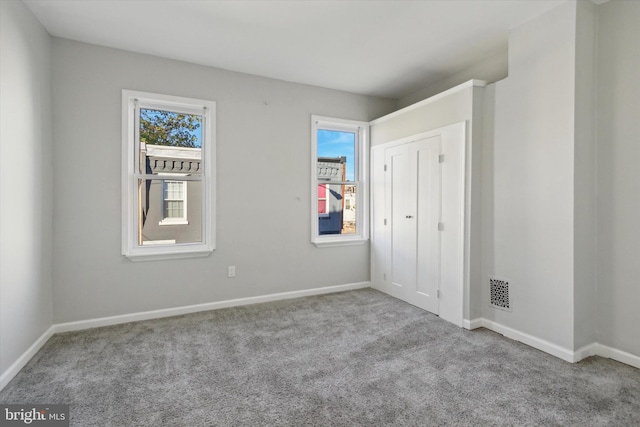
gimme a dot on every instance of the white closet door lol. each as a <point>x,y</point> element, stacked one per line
<point>427,196</point>
<point>400,235</point>
<point>419,220</point>
<point>413,209</point>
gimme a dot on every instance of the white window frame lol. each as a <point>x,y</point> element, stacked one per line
<point>361,167</point>
<point>182,220</point>
<point>132,102</point>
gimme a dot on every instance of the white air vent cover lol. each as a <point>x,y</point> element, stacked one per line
<point>500,296</point>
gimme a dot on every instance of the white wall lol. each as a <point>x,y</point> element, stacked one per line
<point>618,157</point>
<point>25,181</point>
<point>584,232</point>
<point>263,142</point>
<point>528,186</point>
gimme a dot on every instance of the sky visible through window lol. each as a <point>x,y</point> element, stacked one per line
<point>333,143</point>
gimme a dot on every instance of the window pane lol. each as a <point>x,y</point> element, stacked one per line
<point>168,221</point>
<point>174,209</point>
<point>174,190</point>
<point>339,216</point>
<point>338,149</point>
<point>322,199</point>
<point>170,142</point>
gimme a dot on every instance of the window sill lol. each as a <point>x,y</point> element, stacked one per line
<point>174,222</point>
<point>327,243</point>
<point>164,255</point>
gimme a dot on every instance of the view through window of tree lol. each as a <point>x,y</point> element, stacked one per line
<point>161,127</point>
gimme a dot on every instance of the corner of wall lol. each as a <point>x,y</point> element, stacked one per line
<point>26,310</point>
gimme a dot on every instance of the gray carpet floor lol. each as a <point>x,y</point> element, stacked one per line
<point>358,358</point>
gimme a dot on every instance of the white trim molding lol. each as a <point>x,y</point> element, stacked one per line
<point>530,340</point>
<point>178,311</point>
<point>472,324</point>
<point>615,354</point>
<point>593,349</point>
<point>462,86</point>
<point>21,362</point>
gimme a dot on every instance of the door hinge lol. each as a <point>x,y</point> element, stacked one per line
<point>441,158</point>
<point>440,226</point>
<point>385,168</point>
<point>385,221</point>
<point>438,293</point>
<point>384,276</point>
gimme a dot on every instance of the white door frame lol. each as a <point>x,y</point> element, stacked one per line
<point>454,237</point>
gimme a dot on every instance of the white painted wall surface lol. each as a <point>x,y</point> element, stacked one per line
<point>529,179</point>
<point>25,181</point>
<point>618,157</point>
<point>263,151</point>
<point>585,176</point>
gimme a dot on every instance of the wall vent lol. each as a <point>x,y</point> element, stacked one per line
<point>500,296</point>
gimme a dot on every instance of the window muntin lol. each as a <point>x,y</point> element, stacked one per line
<point>339,148</point>
<point>168,191</point>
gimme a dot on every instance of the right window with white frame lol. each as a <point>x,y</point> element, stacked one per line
<point>339,182</point>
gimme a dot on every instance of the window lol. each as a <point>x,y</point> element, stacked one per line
<point>322,199</point>
<point>339,182</point>
<point>174,203</point>
<point>168,186</point>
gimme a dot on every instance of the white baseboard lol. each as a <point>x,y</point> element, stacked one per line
<point>530,340</point>
<point>177,311</point>
<point>472,324</point>
<point>13,370</point>
<point>593,349</point>
<point>619,355</point>
<point>157,314</point>
<point>585,351</point>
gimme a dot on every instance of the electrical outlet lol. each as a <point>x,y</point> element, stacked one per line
<point>232,271</point>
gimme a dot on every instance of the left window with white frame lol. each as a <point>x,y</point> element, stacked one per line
<point>168,183</point>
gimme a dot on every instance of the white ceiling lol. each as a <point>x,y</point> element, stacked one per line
<point>383,48</point>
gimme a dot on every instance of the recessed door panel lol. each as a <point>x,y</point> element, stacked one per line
<point>428,199</point>
<point>399,233</point>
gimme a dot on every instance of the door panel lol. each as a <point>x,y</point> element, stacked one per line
<point>399,234</point>
<point>413,200</point>
<point>428,200</point>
